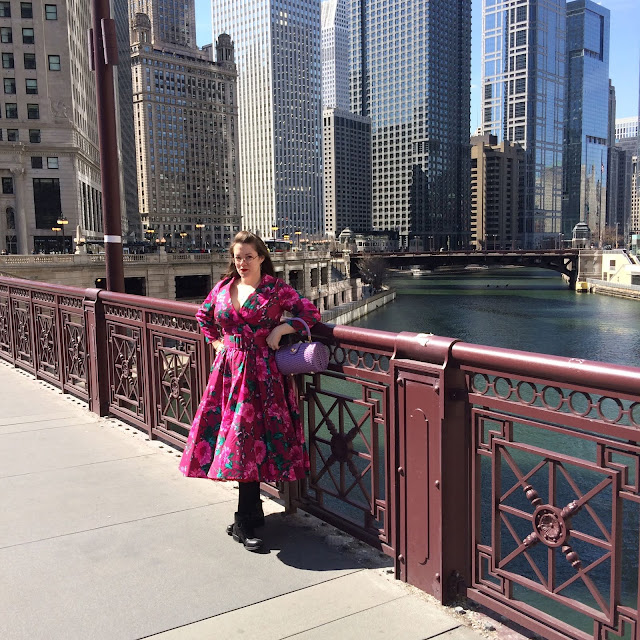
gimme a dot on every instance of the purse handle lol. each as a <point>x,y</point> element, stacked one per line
<point>306,326</point>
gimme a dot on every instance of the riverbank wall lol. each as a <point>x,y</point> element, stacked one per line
<point>614,289</point>
<point>346,313</point>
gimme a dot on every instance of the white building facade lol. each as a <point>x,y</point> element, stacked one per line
<point>279,94</point>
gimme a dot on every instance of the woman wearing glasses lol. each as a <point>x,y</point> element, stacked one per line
<point>247,427</point>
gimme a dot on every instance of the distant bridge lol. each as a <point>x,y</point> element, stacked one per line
<point>564,261</point>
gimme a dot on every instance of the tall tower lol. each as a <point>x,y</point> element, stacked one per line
<point>586,118</point>
<point>49,157</point>
<point>523,100</point>
<point>173,23</point>
<point>186,123</point>
<point>335,55</point>
<point>278,58</point>
<point>410,73</point>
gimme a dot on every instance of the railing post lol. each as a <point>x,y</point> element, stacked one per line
<point>432,456</point>
<point>456,496</point>
<point>97,358</point>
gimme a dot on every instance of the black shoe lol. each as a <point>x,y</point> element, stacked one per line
<point>256,518</point>
<point>242,531</point>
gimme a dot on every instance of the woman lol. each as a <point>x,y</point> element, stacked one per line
<point>247,427</point>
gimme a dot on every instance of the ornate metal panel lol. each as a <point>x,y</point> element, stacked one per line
<point>46,330</point>
<point>555,505</point>
<point>22,333</point>
<point>74,351</point>
<point>6,350</point>
<point>347,422</point>
<point>126,371</point>
<point>177,393</point>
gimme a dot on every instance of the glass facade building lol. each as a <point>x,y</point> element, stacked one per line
<point>277,51</point>
<point>410,73</point>
<point>523,101</point>
<point>587,123</point>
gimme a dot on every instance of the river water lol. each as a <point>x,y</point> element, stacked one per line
<point>530,310</point>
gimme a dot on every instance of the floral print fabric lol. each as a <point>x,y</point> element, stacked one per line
<point>248,425</point>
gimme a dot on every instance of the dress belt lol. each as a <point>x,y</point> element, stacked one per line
<point>244,343</point>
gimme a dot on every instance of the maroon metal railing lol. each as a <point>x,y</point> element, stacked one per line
<point>510,477</point>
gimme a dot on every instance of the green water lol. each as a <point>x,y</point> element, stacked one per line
<point>530,310</point>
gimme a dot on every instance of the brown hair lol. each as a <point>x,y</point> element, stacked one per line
<point>246,237</point>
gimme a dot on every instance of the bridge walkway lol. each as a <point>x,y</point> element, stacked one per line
<point>102,538</point>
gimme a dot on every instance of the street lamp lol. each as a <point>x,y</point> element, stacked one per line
<point>56,229</point>
<point>62,221</point>
<point>286,237</point>
<point>183,235</point>
<point>298,234</point>
<point>200,226</point>
<point>274,229</point>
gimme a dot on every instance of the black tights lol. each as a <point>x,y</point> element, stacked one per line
<point>248,496</point>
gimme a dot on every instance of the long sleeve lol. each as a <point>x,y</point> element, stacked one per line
<point>205,315</point>
<point>299,307</point>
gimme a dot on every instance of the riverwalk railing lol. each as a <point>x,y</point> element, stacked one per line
<point>512,478</point>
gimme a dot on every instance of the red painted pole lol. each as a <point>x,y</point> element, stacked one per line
<point>104,57</point>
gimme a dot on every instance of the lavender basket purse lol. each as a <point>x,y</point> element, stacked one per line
<point>302,357</point>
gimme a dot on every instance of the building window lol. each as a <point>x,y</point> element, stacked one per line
<point>9,85</point>
<point>51,11</point>
<point>12,135</point>
<point>33,111</point>
<point>6,36</point>
<point>28,36</point>
<point>36,162</point>
<point>7,185</point>
<point>7,60</point>
<point>5,9</point>
<point>11,110</point>
<point>34,136</point>
<point>46,198</point>
<point>29,60</point>
<point>26,10</point>
<point>31,86</point>
<point>11,217</point>
<point>54,63</point>
<point>52,163</point>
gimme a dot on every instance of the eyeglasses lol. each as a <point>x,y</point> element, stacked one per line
<point>246,259</point>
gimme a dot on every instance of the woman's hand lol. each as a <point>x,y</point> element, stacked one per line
<point>218,345</point>
<point>273,339</point>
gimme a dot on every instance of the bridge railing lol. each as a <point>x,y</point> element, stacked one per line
<point>510,477</point>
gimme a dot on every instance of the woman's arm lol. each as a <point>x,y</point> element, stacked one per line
<point>290,300</point>
<point>205,316</point>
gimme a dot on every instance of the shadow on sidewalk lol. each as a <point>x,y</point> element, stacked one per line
<point>316,547</point>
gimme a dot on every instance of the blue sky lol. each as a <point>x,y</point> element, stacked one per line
<point>623,56</point>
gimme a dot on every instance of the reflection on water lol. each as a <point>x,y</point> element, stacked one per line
<point>531,310</point>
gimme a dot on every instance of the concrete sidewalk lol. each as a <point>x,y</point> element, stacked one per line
<point>102,538</point>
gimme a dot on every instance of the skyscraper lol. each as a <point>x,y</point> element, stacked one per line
<point>587,118</point>
<point>278,57</point>
<point>185,115</point>
<point>496,192</point>
<point>335,55</point>
<point>132,230</point>
<point>49,157</point>
<point>172,22</point>
<point>410,73</point>
<point>523,100</point>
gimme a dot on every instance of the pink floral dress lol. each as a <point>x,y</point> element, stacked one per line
<point>248,426</point>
